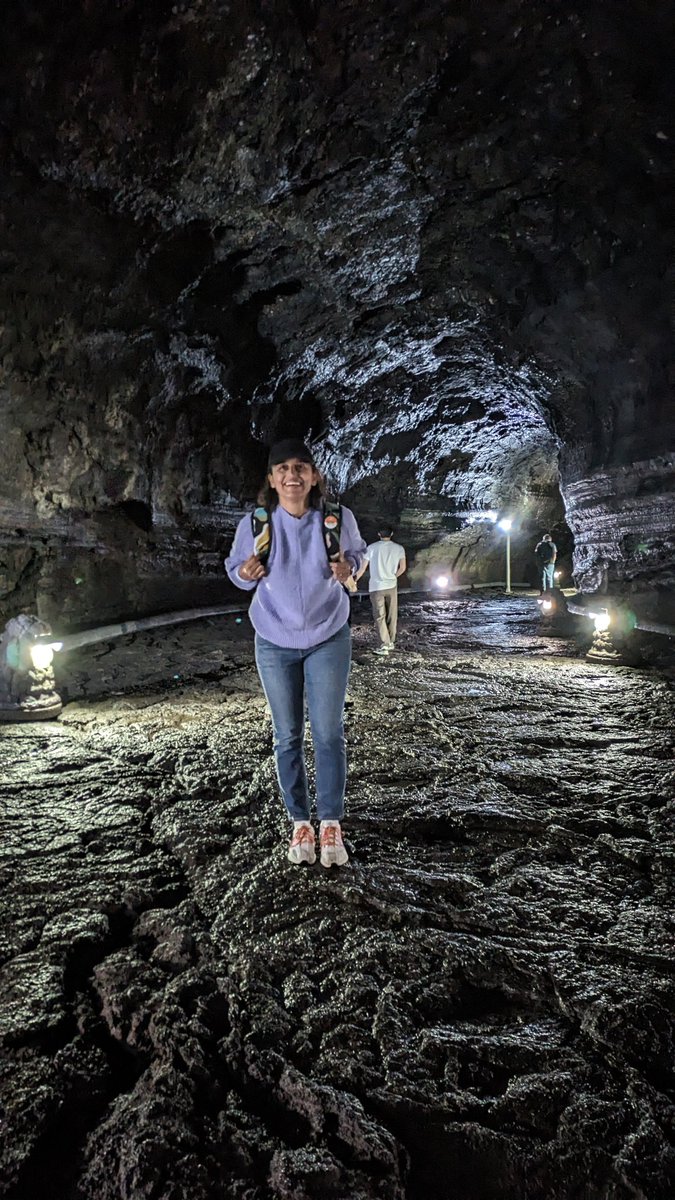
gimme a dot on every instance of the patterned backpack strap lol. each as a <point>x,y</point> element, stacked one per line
<point>261,524</point>
<point>332,524</point>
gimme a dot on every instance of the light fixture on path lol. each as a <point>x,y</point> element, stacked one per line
<point>42,654</point>
<point>27,686</point>
<point>553,605</point>
<point>602,647</point>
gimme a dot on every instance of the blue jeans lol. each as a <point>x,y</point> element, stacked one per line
<point>320,676</point>
<point>547,576</point>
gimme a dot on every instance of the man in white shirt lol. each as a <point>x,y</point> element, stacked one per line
<point>386,560</point>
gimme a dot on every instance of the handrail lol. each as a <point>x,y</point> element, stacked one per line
<point>104,632</point>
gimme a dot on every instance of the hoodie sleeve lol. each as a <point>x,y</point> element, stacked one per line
<point>242,548</point>
<point>351,542</point>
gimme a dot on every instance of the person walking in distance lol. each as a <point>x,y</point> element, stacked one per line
<point>546,553</point>
<point>300,613</point>
<point>386,560</point>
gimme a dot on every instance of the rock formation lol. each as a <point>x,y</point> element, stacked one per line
<point>433,238</point>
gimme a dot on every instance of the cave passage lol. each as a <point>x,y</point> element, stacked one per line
<point>484,995</point>
<point>435,241</point>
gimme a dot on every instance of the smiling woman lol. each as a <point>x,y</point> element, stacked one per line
<point>294,480</point>
<point>300,612</point>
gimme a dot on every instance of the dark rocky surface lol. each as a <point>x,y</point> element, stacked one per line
<point>479,1005</point>
<point>436,238</point>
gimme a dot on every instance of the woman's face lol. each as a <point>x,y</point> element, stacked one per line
<point>293,480</point>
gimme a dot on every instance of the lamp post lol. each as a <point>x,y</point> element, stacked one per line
<point>505,525</point>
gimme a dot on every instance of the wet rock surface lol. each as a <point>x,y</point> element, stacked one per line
<point>479,1004</point>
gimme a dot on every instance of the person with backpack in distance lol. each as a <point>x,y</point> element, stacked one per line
<point>387,561</point>
<point>298,553</point>
<point>546,553</point>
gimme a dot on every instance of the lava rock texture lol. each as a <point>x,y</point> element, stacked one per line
<point>479,1005</point>
<point>435,238</point>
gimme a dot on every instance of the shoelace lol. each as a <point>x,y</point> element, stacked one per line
<point>304,833</point>
<point>330,836</point>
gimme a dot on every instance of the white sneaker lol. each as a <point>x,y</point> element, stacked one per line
<point>333,851</point>
<point>301,849</point>
<point>382,650</point>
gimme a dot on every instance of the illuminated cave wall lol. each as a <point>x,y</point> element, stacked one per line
<point>434,238</point>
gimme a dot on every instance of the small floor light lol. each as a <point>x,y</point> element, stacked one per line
<point>27,685</point>
<point>553,608</point>
<point>42,654</point>
<point>442,582</point>
<point>602,648</point>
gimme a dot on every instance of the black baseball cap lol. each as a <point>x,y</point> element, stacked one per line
<point>289,448</point>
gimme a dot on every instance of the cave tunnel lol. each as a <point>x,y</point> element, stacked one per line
<point>434,242</point>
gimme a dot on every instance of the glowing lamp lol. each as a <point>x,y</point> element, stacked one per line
<point>557,574</point>
<point>27,687</point>
<point>602,648</point>
<point>41,655</point>
<point>506,524</point>
<point>546,606</point>
<point>442,581</point>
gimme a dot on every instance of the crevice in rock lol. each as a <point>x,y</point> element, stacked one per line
<point>138,512</point>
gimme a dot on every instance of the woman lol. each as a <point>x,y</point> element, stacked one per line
<point>300,613</point>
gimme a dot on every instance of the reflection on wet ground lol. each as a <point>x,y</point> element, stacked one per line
<point>480,1005</point>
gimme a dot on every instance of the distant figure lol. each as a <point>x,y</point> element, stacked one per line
<point>546,553</point>
<point>387,561</point>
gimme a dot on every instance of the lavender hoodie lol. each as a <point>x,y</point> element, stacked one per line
<point>299,603</point>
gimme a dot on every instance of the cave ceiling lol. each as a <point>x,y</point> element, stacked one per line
<point>433,238</point>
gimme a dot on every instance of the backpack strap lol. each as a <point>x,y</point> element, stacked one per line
<point>332,526</point>
<point>261,526</point>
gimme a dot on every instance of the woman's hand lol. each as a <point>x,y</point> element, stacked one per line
<point>341,570</point>
<point>251,570</point>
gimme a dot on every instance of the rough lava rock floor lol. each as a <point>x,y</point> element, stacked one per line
<point>480,1005</point>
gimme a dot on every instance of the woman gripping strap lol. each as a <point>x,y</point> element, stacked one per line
<point>300,613</point>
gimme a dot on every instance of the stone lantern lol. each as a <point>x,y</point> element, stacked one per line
<point>27,685</point>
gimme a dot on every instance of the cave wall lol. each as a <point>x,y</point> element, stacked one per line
<point>434,239</point>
